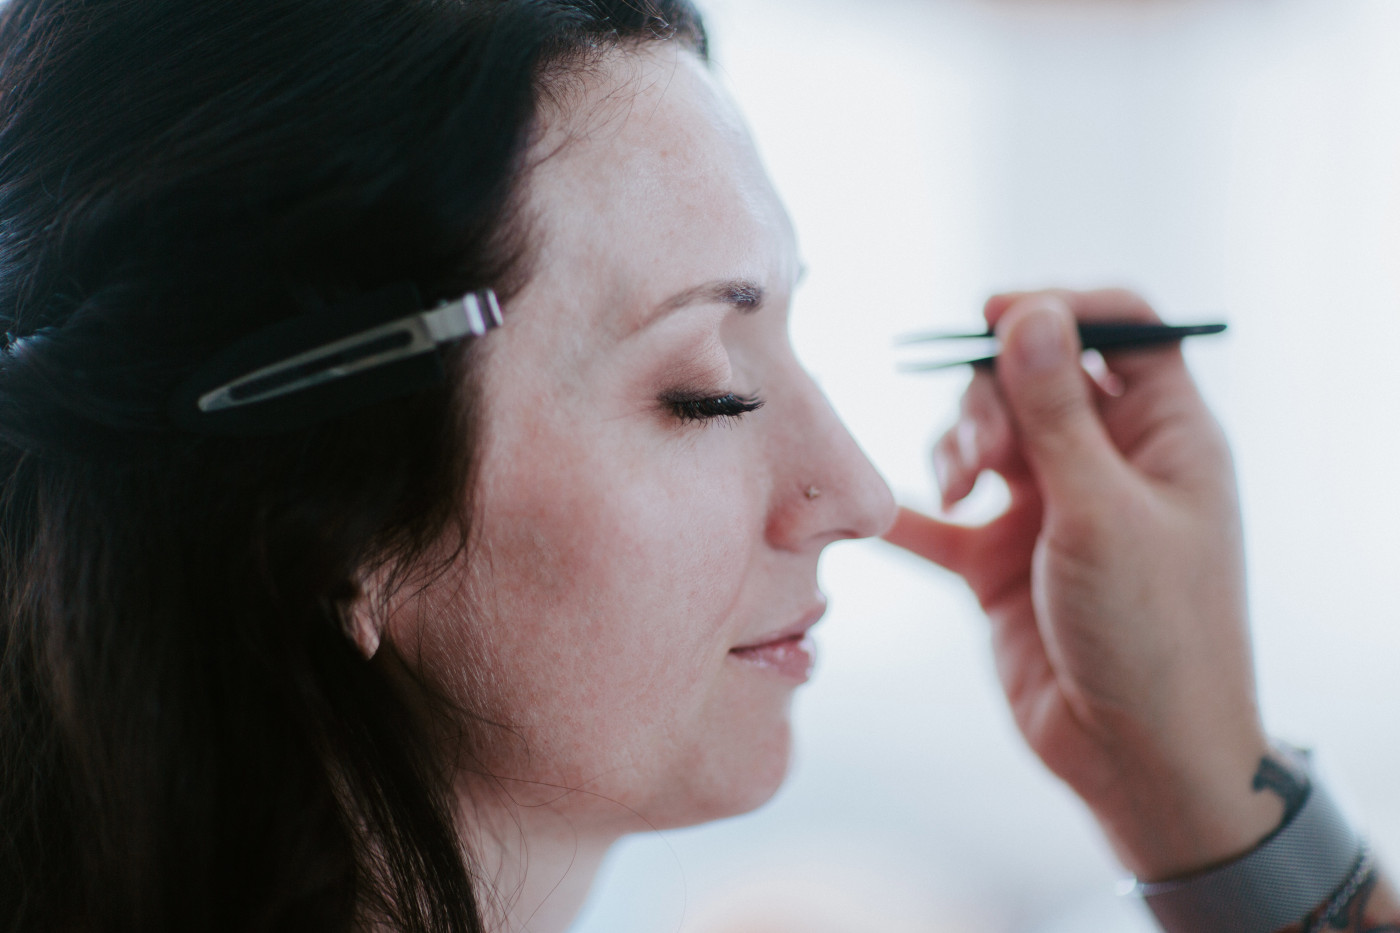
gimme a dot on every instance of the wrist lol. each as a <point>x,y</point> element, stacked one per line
<point>1306,874</point>
<point>1169,820</point>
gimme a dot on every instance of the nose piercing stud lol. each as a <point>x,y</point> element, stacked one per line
<point>813,492</point>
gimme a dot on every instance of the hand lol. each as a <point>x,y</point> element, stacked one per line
<point>1114,581</point>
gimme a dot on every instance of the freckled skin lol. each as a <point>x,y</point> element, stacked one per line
<point>619,552</point>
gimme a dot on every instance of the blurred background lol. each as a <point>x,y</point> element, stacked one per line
<point>1232,159</point>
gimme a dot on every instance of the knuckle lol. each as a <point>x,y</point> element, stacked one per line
<point>1056,408</point>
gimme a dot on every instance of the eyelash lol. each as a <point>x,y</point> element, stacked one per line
<point>707,408</point>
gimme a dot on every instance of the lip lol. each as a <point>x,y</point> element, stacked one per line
<point>794,632</point>
<point>787,653</point>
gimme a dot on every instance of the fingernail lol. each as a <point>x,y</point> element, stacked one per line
<point>1040,342</point>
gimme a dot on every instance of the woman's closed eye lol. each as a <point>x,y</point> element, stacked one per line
<point>691,407</point>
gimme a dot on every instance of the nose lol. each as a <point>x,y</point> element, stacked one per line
<point>825,488</point>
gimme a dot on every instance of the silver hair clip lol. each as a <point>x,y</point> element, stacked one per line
<point>311,367</point>
<point>472,315</point>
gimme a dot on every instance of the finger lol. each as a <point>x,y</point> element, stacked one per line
<point>1052,403</point>
<point>982,439</point>
<point>944,543</point>
<point>1137,365</point>
<point>950,465</point>
<point>1142,375</point>
<point>1155,398</point>
<point>994,558</point>
<point>1105,304</point>
<point>986,410</point>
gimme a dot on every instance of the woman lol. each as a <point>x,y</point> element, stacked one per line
<point>277,652</point>
<point>303,632</point>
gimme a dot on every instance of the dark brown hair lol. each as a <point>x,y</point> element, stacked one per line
<point>188,739</point>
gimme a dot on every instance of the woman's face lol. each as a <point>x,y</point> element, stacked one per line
<point>633,524</point>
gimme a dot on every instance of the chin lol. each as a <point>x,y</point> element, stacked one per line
<point>732,779</point>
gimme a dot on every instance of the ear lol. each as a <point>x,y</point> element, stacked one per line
<point>364,617</point>
<point>363,628</point>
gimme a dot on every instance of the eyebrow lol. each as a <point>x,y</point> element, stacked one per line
<point>743,295</point>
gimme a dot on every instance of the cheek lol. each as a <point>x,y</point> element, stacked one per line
<point>599,605</point>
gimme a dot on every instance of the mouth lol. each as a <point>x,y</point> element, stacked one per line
<point>789,652</point>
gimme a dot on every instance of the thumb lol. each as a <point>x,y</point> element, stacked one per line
<point>1049,395</point>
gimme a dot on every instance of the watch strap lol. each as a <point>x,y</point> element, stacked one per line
<point>1274,886</point>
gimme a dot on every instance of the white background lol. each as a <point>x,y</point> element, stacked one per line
<point>1229,158</point>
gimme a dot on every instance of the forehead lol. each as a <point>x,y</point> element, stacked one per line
<point>647,181</point>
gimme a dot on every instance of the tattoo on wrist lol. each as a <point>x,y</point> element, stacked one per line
<point>1289,783</point>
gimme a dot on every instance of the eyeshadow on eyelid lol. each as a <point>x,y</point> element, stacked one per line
<point>690,381</point>
<point>689,348</point>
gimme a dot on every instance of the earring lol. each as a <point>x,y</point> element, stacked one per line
<point>813,492</point>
